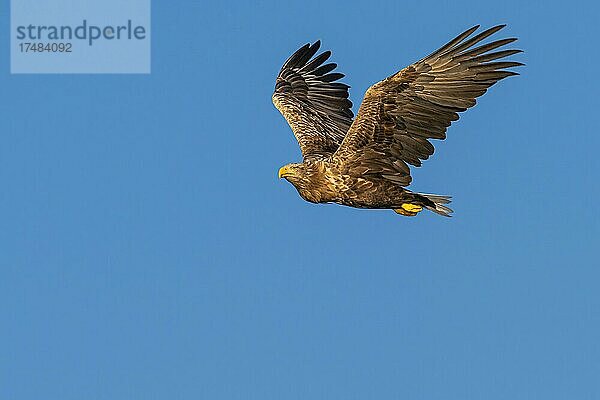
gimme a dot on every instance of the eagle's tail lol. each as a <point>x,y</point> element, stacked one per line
<point>438,203</point>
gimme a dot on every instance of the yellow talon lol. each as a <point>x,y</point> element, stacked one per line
<point>412,207</point>
<point>409,210</point>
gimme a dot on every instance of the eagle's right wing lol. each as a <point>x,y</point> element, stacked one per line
<point>401,114</point>
<point>315,106</point>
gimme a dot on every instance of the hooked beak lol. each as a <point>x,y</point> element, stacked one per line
<point>284,171</point>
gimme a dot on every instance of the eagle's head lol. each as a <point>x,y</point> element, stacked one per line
<point>294,173</point>
<point>306,178</point>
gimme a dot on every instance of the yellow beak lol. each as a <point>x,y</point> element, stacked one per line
<point>284,171</point>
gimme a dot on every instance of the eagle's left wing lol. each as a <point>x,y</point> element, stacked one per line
<point>399,115</point>
<point>315,106</point>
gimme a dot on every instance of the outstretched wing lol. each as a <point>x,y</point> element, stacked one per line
<point>315,106</point>
<point>399,114</point>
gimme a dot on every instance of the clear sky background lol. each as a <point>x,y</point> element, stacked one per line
<point>148,250</point>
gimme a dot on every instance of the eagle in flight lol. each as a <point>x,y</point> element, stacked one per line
<point>363,162</point>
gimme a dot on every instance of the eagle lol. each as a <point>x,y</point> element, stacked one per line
<point>363,162</point>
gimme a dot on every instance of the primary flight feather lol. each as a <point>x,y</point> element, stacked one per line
<point>363,162</point>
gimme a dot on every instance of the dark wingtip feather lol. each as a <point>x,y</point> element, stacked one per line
<point>324,69</point>
<point>302,55</point>
<point>334,76</point>
<point>294,57</point>
<point>454,42</point>
<point>316,46</point>
<point>311,65</point>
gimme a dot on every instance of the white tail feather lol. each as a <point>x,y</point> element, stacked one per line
<point>439,202</point>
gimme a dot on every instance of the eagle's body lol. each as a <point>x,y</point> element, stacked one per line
<point>363,162</point>
<point>325,181</point>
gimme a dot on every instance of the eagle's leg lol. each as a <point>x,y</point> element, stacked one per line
<point>409,210</point>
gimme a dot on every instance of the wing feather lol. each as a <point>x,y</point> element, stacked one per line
<point>315,106</point>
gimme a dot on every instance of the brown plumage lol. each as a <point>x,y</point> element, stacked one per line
<point>364,162</point>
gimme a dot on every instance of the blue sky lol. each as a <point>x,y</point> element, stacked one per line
<point>148,250</point>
